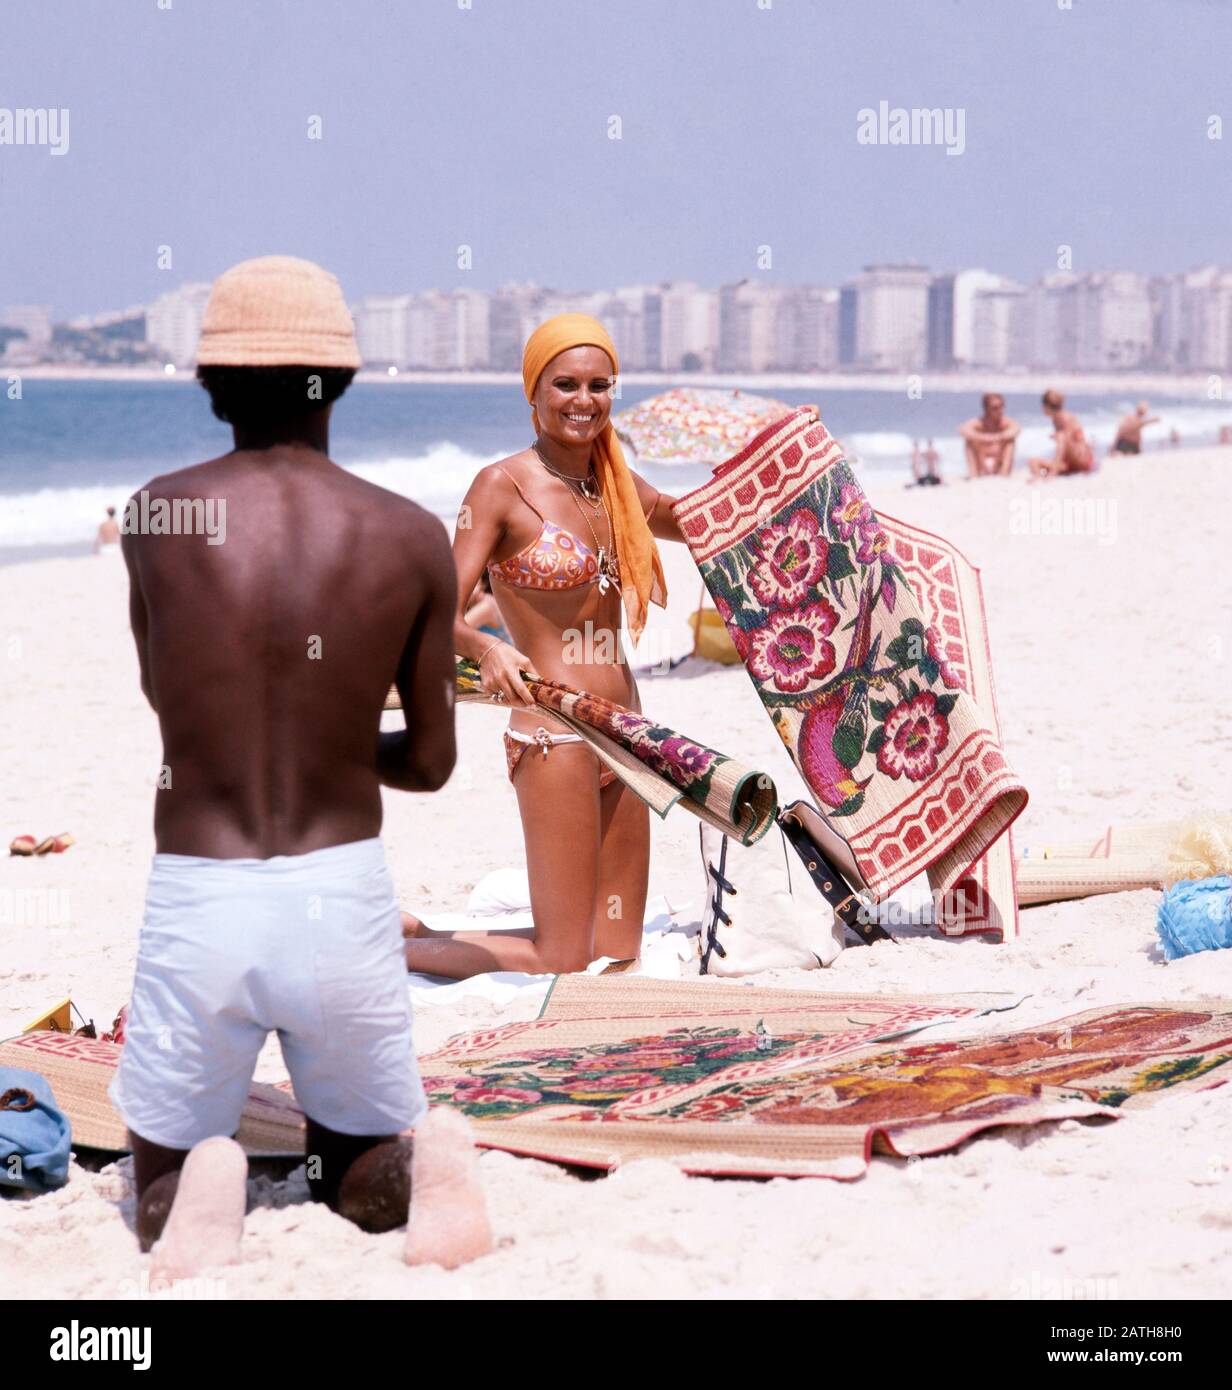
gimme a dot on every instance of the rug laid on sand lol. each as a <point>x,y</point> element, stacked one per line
<point>733,1080</point>
<point>1125,858</point>
<point>79,1070</point>
<point>663,767</point>
<point>865,640</point>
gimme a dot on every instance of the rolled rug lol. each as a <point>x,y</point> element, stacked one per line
<point>1125,858</point>
<point>865,640</point>
<point>663,767</point>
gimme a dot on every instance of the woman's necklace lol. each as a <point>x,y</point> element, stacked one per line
<point>608,572</point>
<point>588,485</point>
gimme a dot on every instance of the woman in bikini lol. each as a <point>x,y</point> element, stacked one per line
<point>566,532</point>
<point>1074,453</point>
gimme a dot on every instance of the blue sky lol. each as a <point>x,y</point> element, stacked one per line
<point>489,126</point>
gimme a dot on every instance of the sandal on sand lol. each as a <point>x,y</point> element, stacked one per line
<point>23,844</point>
<point>55,844</point>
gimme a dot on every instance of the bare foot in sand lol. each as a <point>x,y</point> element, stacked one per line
<point>448,1223</point>
<point>207,1216</point>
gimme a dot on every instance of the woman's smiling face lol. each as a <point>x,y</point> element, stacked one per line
<point>573,397</point>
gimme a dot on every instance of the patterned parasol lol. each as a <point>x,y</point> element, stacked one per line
<point>691,425</point>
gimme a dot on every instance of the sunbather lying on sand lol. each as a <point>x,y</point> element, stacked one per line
<point>270,905</point>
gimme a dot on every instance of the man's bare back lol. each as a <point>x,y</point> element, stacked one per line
<point>268,656</point>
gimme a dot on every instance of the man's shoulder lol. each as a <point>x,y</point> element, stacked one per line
<point>395,511</point>
<point>182,481</point>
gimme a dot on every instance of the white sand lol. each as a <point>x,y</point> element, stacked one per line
<point>1112,663</point>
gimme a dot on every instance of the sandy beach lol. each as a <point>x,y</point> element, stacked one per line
<point>1110,612</point>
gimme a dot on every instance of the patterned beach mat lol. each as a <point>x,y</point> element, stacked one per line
<point>79,1070</point>
<point>661,766</point>
<point>866,642</point>
<point>738,1081</point>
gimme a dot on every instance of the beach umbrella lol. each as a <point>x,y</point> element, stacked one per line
<point>693,425</point>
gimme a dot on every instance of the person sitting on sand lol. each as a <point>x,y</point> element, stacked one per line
<point>924,465</point>
<point>990,439</point>
<point>107,542</point>
<point>1073,453</point>
<point>1129,432</point>
<point>567,532</point>
<point>270,906</point>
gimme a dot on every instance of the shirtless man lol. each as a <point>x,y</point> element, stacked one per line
<point>1129,432</point>
<point>989,439</point>
<point>267,658</point>
<point>107,541</point>
<point>1073,452</point>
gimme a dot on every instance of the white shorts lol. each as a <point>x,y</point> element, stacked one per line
<point>309,945</point>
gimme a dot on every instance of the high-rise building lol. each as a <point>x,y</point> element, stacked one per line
<point>173,323</point>
<point>748,328</point>
<point>381,329</point>
<point>951,315</point>
<point>1052,322</point>
<point>806,329</point>
<point>1206,319</point>
<point>689,327</point>
<point>999,326</point>
<point>472,329</point>
<point>1167,322</point>
<point>1114,321</point>
<point>847,305</point>
<point>941,321</point>
<point>34,320</point>
<point>892,317</point>
<point>623,314</point>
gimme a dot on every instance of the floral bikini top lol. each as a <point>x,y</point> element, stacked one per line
<point>555,559</point>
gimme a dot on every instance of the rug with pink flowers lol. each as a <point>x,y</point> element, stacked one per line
<point>737,1080</point>
<point>865,639</point>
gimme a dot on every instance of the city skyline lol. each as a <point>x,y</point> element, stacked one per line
<point>889,317</point>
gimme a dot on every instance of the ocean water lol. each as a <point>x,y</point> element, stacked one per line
<point>68,450</point>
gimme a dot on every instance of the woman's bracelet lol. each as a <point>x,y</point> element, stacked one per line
<point>487,649</point>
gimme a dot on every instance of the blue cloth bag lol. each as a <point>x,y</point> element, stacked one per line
<point>1196,915</point>
<point>34,1135</point>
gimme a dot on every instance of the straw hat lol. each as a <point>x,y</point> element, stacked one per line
<point>277,311</point>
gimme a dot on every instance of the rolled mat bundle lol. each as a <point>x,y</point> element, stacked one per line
<point>1196,915</point>
<point>663,767</point>
<point>1125,858</point>
<point>865,640</point>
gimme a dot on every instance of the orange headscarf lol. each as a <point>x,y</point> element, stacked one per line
<point>641,572</point>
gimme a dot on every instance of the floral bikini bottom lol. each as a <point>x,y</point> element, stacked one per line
<point>517,743</point>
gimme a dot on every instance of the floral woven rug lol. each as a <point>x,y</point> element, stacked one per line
<point>734,1080</point>
<point>663,767</point>
<point>866,642</point>
<point>79,1070</point>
